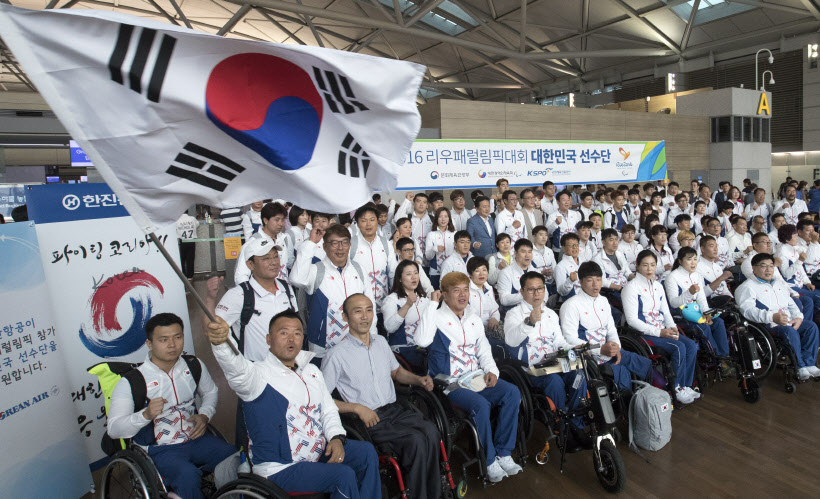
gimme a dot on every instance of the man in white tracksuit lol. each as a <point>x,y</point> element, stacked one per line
<point>766,300</point>
<point>328,283</point>
<point>169,426</point>
<point>372,252</point>
<point>509,284</point>
<point>296,438</point>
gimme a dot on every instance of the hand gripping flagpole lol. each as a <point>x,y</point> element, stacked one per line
<point>187,284</point>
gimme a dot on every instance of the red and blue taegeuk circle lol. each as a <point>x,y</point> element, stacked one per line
<point>268,104</point>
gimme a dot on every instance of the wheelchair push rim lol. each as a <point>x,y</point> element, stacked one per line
<point>125,477</point>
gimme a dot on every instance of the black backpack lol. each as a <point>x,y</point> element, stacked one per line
<point>248,310</point>
<point>109,374</point>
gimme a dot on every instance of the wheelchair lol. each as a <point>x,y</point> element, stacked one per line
<point>751,349</point>
<point>633,341</point>
<point>393,484</point>
<point>601,411</point>
<point>130,473</point>
<point>459,434</point>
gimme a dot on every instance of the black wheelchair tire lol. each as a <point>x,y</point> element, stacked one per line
<point>766,350</point>
<point>140,467</point>
<point>513,375</point>
<point>249,486</point>
<point>610,469</point>
<point>432,409</point>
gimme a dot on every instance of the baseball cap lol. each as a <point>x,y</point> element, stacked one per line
<point>259,247</point>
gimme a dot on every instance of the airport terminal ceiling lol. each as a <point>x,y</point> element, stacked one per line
<point>492,50</point>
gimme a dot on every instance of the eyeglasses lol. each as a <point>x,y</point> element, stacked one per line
<point>343,243</point>
<point>535,291</point>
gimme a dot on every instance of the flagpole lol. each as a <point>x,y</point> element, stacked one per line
<point>187,284</point>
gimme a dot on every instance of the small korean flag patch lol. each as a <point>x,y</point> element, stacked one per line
<point>664,407</point>
<point>756,364</point>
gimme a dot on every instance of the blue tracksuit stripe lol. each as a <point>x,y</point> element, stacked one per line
<point>438,356</point>
<point>266,420</point>
<point>317,321</point>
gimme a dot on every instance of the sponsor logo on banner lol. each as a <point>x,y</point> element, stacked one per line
<point>434,175</point>
<point>624,153</point>
<point>105,337</point>
<point>482,174</point>
<point>497,174</point>
<point>24,405</point>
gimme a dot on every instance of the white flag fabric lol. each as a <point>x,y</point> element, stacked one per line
<point>172,116</point>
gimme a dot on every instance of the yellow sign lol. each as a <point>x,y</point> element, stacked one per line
<point>763,104</point>
<point>232,247</point>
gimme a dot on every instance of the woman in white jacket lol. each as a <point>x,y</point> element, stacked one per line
<point>685,285</point>
<point>439,243</point>
<point>403,309</point>
<point>482,295</point>
<point>647,310</point>
<point>501,258</point>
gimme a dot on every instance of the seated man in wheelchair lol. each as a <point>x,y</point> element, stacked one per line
<point>296,438</point>
<point>532,329</point>
<point>765,300</point>
<point>369,393</point>
<point>168,424</point>
<point>647,310</point>
<point>587,318</point>
<point>458,346</point>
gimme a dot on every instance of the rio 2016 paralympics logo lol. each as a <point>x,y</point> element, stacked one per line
<point>257,99</point>
<point>106,336</point>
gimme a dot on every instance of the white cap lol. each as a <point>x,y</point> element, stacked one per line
<point>259,247</point>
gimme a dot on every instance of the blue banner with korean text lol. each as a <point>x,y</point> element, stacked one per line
<point>66,202</point>
<point>451,164</point>
<point>43,453</point>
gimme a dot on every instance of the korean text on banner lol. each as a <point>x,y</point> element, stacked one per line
<point>456,164</point>
<point>43,452</point>
<point>106,279</point>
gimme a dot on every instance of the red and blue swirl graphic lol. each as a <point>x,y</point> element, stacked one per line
<point>268,104</point>
<point>106,337</point>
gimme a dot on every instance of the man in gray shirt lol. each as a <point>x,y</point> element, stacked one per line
<point>362,367</point>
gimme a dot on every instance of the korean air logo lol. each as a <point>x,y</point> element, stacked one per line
<point>434,175</point>
<point>482,174</point>
<point>71,202</point>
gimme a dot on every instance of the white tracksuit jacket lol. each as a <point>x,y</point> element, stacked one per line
<point>543,338</point>
<point>173,425</point>
<point>759,301</point>
<point>645,306</point>
<point>482,302</point>
<point>290,415</point>
<point>585,319</point>
<point>612,275</point>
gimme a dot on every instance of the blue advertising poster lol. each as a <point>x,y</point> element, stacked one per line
<point>11,196</point>
<point>44,454</point>
<point>78,157</point>
<point>67,202</point>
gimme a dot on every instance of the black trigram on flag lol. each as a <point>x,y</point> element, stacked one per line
<point>140,60</point>
<point>191,162</point>
<point>353,160</point>
<point>332,86</point>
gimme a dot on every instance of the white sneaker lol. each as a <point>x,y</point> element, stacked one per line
<point>683,396</point>
<point>510,467</point>
<point>814,371</point>
<point>695,395</point>
<point>495,472</point>
<point>803,373</point>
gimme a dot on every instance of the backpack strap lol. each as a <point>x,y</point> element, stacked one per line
<point>632,402</point>
<point>194,366</point>
<point>139,392</point>
<point>320,275</point>
<point>354,244</point>
<point>288,293</point>
<point>358,270</point>
<point>246,314</point>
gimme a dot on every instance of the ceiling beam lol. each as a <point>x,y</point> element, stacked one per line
<point>773,6</point>
<point>684,41</point>
<point>464,85</point>
<point>281,27</point>
<point>181,15</point>
<point>432,35</point>
<point>228,26</point>
<point>164,13</point>
<point>423,11</point>
<point>397,11</point>
<point>522,44</point>
<point>812,7</point>
<point>658,33</point>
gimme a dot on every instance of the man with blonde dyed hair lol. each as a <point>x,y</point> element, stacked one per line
<point>459,348</point>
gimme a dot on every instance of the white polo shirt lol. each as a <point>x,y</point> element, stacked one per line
<point>267,305</point>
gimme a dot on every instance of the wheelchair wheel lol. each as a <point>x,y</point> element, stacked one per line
<point>249,486</point>
<point>526,412</point>
<point>131,474</point>
<point>635,345</point>
<point>766,350</point>
<point>750,390</point>
<point>431,409</point>
<point>610,468</point>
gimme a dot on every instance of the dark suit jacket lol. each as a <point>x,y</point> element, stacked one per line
<point>478,233</point>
